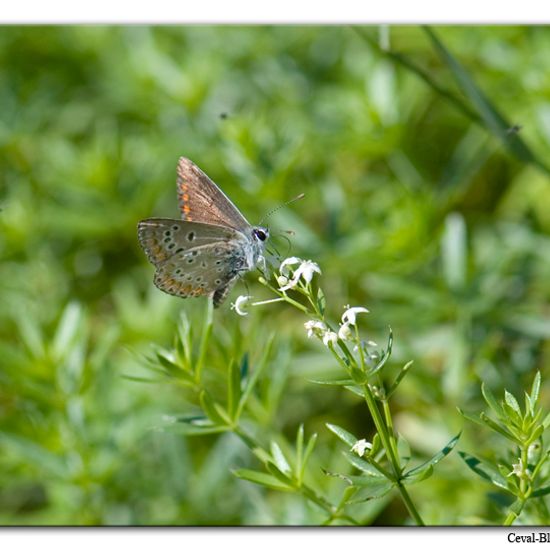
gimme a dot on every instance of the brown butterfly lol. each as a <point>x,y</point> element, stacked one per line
<point>205,252</point>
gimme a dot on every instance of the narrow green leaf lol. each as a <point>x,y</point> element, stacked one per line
<point>404,449</point>
<point>344,435</point>
<point>385,356</point>
<point>418,471</point>
<point>49,463</point>
<point>256,372</point>
<point>244,366</point>
<point>321,301</point>
<point>206,331</point>
<point>67,329</point>
<point>537,432</point>
<point>491,400</point>
<point>511,401</point>
<point>454,251</point>
<point>208,406</point>
<point>498,428</point>
<point>233,389</point>
<point>31,335</point>
<point>492,118</point>
<point>309,449</point>
<point>355,390</point>
<point>418,476</point>
<point>279,458</point>
<point>546,421</point>
<point>343,477</point>
<point>535,390</point>
<point>339,382</point>
<point>142,379</point>
<point>373,491</point>
<point>184,337</point>
<point>484,470</point>
<point>167,363</point>
<point>299,449</point>
<point>541,492</point>
<point>471,417</point>
<point>362,465</point>
<point>399,378</point>
<point>281,476</point>
<point>192,430</point>
<point>528,408</point>
<point>261,478</point>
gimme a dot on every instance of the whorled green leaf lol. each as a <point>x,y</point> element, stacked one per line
<point>402,373</point>
<point>370,487</point>
<point>256,373</point>
<point>421,475</point>
<point>209,407</point>
<point>261,478</point>
<point>484,469</point>
<point>348,438</point>
<point>356,390</point>
<point>387,354</point>
<point>309,449</point>
<point>321,301</point>
<point>511,401</point>
<point>404,449</point>
<point>279,458</point>
<point>339,382</point>
<point>541,492</point>
<point>491,401</point>
<point>280,475</point>
<point>426,468</point>
<point>233,389</point>
<point>67,329</point>
<point>498,428</point>
<point>373,491</point>
<point>362,465</point>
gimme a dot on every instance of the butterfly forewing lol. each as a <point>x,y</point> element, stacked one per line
<point>163,238</point>
<point>201,200</point>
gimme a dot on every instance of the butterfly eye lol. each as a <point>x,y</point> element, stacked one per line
<point>261,234</point>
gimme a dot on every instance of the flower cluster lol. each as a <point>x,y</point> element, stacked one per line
<point>329,337</point>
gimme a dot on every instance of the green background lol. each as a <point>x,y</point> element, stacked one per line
<point>423,203</point>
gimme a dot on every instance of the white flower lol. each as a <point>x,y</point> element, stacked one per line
<point>241,305</point>
<point>330,338</point>
<point>305,270</point>
<point>283,268</point>
<point>282,280</point>
<point>519,470</point>
<point>351,313</point>
<point>314,327</point>
<point>345,332</point>
<point>360,446</point>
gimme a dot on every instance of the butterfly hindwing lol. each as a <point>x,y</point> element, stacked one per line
<point>207,270</point>
<point>201,200</point>
<point>193,259</point>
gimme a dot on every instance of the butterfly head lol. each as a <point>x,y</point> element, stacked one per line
<point>260,233</point>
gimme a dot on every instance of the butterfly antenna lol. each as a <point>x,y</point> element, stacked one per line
<point>297,198</point>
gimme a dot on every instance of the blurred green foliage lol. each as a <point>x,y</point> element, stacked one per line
<point>415,207</point>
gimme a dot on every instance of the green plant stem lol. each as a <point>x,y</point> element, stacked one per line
<point>512,515</point>
<point>393,457</point>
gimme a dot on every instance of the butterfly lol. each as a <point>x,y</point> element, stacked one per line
<point>205,252</point>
